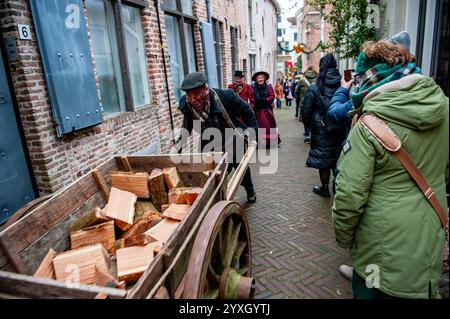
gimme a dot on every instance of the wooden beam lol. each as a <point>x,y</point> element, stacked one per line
<point>126,164</point>
<point>235,181</point>
<point>101,183</point>
<point>20,286</point>
<point>9,249</point>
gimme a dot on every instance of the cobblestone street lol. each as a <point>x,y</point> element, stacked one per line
<point>294,250</point>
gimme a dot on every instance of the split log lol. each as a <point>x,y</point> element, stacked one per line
<point>134,236</point>
<point>96,216</point>
<point>133,261</point>
<point>184,195</point>
<point>162,231</point>
<point>45,269</point>
<point>136,183</point>
<point>176,211</point>
<point>171,177</point>
<point>121,207</point>
<point>78,266</point>
<point>157,188</point>
<point>102,233</point>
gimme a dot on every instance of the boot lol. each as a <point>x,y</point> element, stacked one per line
<point>346,272</point>
<point>322,191</point>
<point>251,195</point>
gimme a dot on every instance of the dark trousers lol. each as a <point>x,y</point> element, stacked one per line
<point>288,102</point>
<point>246,180</point>
<point>297,106</point>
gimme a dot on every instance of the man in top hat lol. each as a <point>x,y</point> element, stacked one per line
<point>241,88</point>
<point>220,109</point>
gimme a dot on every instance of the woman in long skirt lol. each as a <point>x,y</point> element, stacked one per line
<point>263,96</point>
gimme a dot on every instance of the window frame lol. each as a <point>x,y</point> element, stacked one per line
<point>122,54</point>
<point>183,18</point>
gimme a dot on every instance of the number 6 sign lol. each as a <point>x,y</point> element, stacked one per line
<point>24,32</point>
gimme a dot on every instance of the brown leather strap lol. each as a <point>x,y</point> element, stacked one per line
<point>390,141</point>
<point>427,191</point>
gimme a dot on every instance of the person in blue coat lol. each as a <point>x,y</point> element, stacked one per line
<point>340,105</point>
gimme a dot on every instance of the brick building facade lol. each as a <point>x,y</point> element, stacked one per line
<point>143,125</point>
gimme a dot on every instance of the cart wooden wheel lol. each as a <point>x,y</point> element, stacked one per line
<point>220,264</point>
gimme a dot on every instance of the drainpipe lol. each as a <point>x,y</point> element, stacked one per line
<point>165,70</point>
<point>208,10</point>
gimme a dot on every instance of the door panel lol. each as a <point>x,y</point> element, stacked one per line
<point>15,182</point>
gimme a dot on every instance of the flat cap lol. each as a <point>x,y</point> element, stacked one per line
<point>193,80</point>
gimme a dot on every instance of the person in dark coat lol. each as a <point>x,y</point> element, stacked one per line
<point>303,85</point>
<point>202,104</point>
<point>326,137</point>
<point>263,95</point>
<point>240,87</point>
<point>289,93</point>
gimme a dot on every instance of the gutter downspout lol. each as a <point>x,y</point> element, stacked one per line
<point>165,70</point>
<point>208,10</point>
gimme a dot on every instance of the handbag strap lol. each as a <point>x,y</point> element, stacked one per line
<point>391,142</point>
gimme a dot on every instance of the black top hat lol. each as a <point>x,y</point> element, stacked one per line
<point>266,75</point>
<point>239,73</point>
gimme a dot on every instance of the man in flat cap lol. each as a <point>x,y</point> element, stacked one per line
<point>220,109</point>
<point>241,88</point>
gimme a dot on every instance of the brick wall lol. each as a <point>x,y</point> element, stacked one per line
<point>57,162</point>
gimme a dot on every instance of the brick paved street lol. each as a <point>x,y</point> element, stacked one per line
<point>294,250</point>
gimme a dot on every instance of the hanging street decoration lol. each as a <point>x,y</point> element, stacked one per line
<point>299,48</point>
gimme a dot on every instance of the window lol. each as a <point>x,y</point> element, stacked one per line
<point>217,39</point>
<point>279,33</point>
<point>123,80</point>
<point>180,37</point>
<point>233,37</point>
<point>252,63</point>
<point>262,24</point>
<point>295,36</point>
<point>279,19</point>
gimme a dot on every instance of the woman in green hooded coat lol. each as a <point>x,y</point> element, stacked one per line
<point>395,238</point>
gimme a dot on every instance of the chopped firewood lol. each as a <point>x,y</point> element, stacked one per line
<point>78,266</point>
<point>184,195</point>
<point>157,188</point>
<point>142,206</point>
<point>176,211</point>
<point>171,177</point>
<point>133,261</point>
<point>121,207</point>
<point>164,207</point>
<point>136,183</point>
<point>118,244</point>
<point>192,194</point>
<point>45,269</point>
<point>101,233</point>
<point>103,278</point>
<point>95,216</point>
<point>134,236</point>
<point>161,231</point>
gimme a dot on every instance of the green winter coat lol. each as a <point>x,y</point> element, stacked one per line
<point>378,210</point>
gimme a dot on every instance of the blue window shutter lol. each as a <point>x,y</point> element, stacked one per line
<point>64,46</point>
<point>209,54</point>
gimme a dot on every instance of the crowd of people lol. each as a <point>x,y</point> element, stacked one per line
<point>383,135</point>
